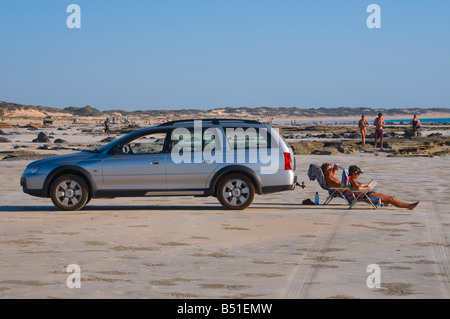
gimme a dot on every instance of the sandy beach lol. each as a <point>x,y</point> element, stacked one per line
<point>186,247</point>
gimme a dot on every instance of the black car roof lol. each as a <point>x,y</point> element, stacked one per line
<point>212,121</point>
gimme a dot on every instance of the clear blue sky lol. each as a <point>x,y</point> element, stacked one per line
<point>175,54</point>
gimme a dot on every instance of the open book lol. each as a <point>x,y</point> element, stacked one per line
<point>372,184</point>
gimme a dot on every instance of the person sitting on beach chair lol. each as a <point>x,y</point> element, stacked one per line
<point>328,172</point>
<point>325,177</point>
<point>355,172</point>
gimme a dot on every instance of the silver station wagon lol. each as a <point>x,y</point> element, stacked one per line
<point>230,159</point>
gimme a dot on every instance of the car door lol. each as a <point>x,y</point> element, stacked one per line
<point>138,164</point>
<point>194,154</point>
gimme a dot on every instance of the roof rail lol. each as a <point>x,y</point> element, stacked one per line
<point>215,121</point>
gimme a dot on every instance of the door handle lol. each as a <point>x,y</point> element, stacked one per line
<point>154,163</point>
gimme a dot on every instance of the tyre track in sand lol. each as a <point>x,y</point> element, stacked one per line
<point>439,244</point>
<point>303,274</point>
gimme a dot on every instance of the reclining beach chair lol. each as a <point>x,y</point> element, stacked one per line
<point>315,173</point>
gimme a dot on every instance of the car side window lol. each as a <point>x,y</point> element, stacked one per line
<point>247,138</point>
<point>187,139</point>
<point>148,144</point>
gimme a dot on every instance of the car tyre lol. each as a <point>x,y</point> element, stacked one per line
<point>235,192</point>
<point>69,192</point>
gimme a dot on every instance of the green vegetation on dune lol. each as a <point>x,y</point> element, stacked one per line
<point>83,111</point>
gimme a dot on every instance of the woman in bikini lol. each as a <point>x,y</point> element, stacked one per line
<point>362,124</point>
<point>355,171</point>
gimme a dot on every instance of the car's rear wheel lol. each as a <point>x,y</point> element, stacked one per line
<point>235,192</point>
<point>69,192</point>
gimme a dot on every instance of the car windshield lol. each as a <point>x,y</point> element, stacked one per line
<point>115,142</point>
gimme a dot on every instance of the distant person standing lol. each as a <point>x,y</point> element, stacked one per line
<point>415,124</point>
<point>379,125</point>
<point>363,124</point>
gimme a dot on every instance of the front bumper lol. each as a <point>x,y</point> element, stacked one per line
<point>32,192</point>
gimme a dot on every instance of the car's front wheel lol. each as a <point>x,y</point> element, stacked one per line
<point>235,192</point>
<point>69,192</point>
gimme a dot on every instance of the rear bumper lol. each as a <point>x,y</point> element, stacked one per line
<point>279,188</point>
<point>32,192</point>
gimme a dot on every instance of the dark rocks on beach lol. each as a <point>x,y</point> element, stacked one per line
<point>130,128</point>
<point>435,135</point>
<point>108,139</point>
<point>42,138</point>
<point>410,133</point>
<point>2,133</point>
<point>21,155</point>
<point>318,152</point>
<point>353,135</point>
<point>58,140</point>
<point>399,147</point>
<point>330,144</point>
<point>4,140</point>
<point>134,126</point>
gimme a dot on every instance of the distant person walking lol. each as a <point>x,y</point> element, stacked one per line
<point>106,124</point>
<point>415,124</point>
<point>379,125</point>
<point>363,124</point>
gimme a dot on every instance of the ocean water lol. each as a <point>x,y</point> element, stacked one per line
<point>423,121</point>
<point>443,120</point>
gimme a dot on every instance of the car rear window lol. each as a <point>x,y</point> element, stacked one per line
<point>248,137</point>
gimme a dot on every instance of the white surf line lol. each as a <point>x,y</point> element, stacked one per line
<point>441,247</point>
<point>303,274</point>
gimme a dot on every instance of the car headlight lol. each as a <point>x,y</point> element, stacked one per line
<point>32,170</point>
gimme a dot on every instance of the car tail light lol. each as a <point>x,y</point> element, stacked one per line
<point>287,161</point>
